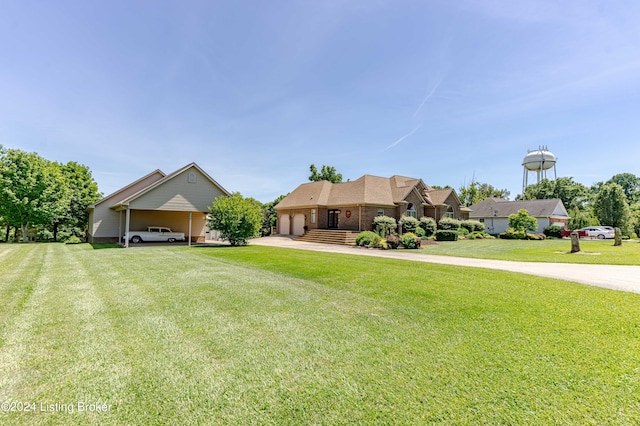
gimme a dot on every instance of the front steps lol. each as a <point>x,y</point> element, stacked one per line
<point>329,236</point>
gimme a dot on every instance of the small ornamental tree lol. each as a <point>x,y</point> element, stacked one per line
<point>409,224</point>
<point>237,218</point>
<point>429,225</point>
<point>521,221</point>
<point>384,225</point>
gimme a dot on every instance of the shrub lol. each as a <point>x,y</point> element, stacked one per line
<point>393,241</point>
<point>409,224</point>
<point>512,234</point>
<point>472,225</point>
<point>521,221</point>
<point>446,235</point>
<point>477,235</point>
<point>237,218</point>
<point>420,232</point>
<point>73,240</point>
<point>368,239</point>
<point>463,232</point>
<point>553,231</point>
<point>448,223</point>
<point>384,225</point>
<point>428,224</point>
<point>410,241</point>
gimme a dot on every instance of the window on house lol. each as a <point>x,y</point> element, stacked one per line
<point>380,212</point>
<point>450,212</point>
<point>411,211</point>
<point>313,216</point>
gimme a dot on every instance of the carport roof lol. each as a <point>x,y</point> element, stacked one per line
<point>161,178</point>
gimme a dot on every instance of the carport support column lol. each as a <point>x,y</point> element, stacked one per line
<point>126,227</point>
<point>190,222</point>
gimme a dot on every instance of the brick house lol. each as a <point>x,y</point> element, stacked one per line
<point>353,205</point>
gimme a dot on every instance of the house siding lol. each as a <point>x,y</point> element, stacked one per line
<point>104,221</point>
<point>178,194</point>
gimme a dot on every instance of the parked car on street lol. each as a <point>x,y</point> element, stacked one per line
<point>599,232</point>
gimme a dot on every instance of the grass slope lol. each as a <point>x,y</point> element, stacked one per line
<point>594,251</point>
<point>257,335</point>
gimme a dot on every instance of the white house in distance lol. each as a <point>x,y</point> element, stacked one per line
<point>495,212</point>
<point>179,200</point>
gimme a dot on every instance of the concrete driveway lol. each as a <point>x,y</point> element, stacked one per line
<point>624,278</point>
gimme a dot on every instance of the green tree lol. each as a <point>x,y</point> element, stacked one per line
<point>237,218</point>
<point>581,219</point>
<point>32,190</point>
<point>630,184</point>
<point>573,194</point>
<point>270,216</point>
<point>476,192</point>
<point>83,192</point>
<point>521,221</point>
<point>327,173</point>
<point>611,208</point>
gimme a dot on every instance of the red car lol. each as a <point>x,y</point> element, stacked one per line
<point>581,233</point>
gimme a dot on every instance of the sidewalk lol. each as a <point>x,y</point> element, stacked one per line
<point>624,278</point>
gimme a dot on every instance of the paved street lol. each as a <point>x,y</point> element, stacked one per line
<point>625,278</point>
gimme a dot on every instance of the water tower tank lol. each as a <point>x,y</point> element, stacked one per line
<point>539,160</point>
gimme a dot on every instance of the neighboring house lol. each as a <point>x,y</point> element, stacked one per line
<point>179,201</point>
<point>353,205</point>
<point>495,212</point>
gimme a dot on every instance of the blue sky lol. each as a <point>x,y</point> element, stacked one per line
<point>256,91</point>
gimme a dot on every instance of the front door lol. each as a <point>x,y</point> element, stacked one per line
<point>333,218</point>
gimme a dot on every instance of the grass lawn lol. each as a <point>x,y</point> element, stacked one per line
<point>595,251</point>
<point>260,335</point>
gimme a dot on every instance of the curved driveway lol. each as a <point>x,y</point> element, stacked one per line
<point>624,278</point>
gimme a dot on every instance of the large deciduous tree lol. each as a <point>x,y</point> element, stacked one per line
<point>326,173</point>
<point>32,190</point>
<point>611,208</point>
<point>476,192</point>
<point>237,218</point>
<point>83,192</point>
<point>573,194</point>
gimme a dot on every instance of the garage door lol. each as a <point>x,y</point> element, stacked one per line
<point>284,224</point>
<point>298,224</point>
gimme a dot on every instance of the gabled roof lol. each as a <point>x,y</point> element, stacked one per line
<point>366,190</point>
<point>164,180</point>
<point>498,207</point>
<point>122,197</point>
<point>156,175</point>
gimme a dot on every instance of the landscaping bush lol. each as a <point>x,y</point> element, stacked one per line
<point>446,235</point>
<point>448,223</point>
<point>428,224</point>
<point>384,225</point>
<point>463,232</point>
<point>73,240</point>
<point>553,231</point>
<point>512,234</point>
<point>368,239</point>
<point>472,225</point>
<point>410,241</point>
<point>409,224</point>
<point>393,241</point>
<point>420,232</point>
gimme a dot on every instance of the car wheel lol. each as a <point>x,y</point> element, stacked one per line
<point>136,239</point>
<point>172,240</point>
<point>600,236</point>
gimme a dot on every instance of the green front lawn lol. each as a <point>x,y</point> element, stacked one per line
<point>595,251</point>
<point>259,335</point>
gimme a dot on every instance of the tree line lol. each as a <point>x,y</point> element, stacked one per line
<point>615,202</point>
<point>44,199</point>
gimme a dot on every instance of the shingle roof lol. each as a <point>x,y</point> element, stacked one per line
<point>505,208</point>
<point>366,190</point>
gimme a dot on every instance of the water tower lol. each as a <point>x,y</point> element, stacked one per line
<point>538,161</point>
